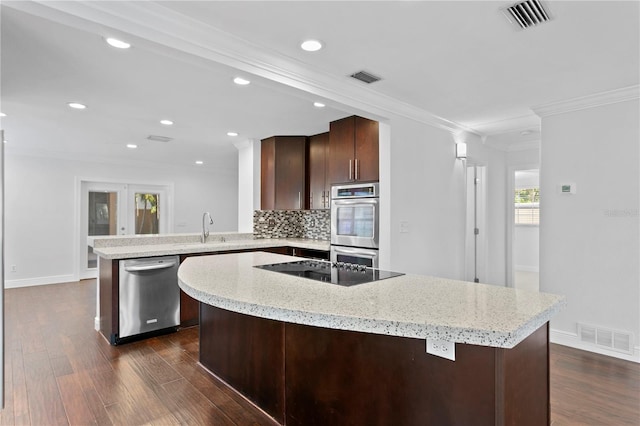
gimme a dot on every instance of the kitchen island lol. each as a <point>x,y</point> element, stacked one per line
<point>113,249</point>
<point>310,352</point>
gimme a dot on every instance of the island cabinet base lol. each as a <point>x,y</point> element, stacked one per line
<point>304,375</point>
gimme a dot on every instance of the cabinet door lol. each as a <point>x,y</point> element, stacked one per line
<point>267,174</point>
<point>318,197</point>
<point>341,150</point>
<point>290,172</point>
<point>366,150</point>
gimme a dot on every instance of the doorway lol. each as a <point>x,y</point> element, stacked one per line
<point>113,208</point>
<point>475,228</point>
<point>525,228</point>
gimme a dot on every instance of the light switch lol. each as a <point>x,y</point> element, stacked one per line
<point>404,227</point>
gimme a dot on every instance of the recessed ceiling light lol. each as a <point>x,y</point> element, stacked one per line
<point>2,114</point>
<point>526,132</point>
<point>199,163</point>
<point>166,122</point>
<point>118,43</point>
<point>232,134</point>
<point>319,105</point>
<point>311,45</point>
<point>76,105</point>
<point>241,81</point>
<point>5,141</point>
<point>132,146</point>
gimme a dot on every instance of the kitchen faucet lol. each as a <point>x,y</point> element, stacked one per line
<point>205,230</point>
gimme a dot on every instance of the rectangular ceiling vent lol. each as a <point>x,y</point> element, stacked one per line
<point>527,14</point>
<point>620,341</point>
<point>159,138</point>
<point>365,77</point>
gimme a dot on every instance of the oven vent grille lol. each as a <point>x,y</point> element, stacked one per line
<point>156,138</point>
<point>616,340</point>
<point>527,14</point>
<point>365,77</point>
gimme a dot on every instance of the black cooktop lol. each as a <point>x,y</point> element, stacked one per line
<point>344,274</point>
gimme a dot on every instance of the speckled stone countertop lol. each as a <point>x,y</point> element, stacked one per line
<point>133,246</point>
<point>409,306</point>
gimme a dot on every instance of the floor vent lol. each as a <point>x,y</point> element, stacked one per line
<point>365,77</point>
<point>616,340</point>
<point>159,138</point>
<point>526,14</point>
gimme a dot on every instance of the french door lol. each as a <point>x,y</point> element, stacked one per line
<point>119,209</point>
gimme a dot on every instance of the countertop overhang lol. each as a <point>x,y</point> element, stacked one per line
<point>127,247</point>
<point>412,306</point>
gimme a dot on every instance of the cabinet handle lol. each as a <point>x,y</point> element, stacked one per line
<point>356,173</point>
<point>299,200</point>
<point>350,170</point>
<point>311,199</point>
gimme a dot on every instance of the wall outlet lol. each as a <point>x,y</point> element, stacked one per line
<point>442,348</point>
<point>271,223</point>
<point>14,268</point>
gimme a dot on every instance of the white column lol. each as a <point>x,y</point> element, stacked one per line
<point>248,182</point>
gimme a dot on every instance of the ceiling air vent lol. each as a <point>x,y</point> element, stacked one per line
<point>159,138</point>
<point>527,14</point>
<point>365,77</point>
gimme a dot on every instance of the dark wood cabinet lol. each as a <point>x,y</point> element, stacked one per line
<point>282,176</point>
<point>353,150</point>
<point>317,168</point>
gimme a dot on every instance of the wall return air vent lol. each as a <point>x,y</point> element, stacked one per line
<point>365,77</point>
<point>526,14</point>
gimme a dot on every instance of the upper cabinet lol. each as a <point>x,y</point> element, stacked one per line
<point>317,168</point>
<point>353,150</point>
<point>282,180</point>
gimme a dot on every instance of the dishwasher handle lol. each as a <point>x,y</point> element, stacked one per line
<point>151,267</point>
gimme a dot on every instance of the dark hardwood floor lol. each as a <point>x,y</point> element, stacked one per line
<point>59,370</point>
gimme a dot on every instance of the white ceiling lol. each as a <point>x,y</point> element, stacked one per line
<point>461,62</point>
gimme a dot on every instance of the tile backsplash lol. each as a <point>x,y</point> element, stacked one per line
<point>292,224</point>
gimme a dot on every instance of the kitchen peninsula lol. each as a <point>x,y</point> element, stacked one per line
<point>314,353</point>
<point>112,250</point>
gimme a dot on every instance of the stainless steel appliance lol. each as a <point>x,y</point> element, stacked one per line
<point>342,274</point>
<point>149,295</point>
<point>355,223</point>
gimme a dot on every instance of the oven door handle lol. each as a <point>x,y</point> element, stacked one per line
<point>351,202</point>
<point>357,251</point>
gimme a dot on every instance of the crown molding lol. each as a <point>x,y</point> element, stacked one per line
<point>589,101</point>
<point>159,24</point>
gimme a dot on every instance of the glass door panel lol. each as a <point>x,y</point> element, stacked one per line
<point>102,219</point>
<point>147,219</point>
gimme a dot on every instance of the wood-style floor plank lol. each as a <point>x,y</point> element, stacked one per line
<point>59,370</point>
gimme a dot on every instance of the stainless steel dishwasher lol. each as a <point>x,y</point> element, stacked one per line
<point>149,295</point>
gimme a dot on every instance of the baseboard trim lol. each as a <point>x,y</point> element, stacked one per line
<point>30,282</point>
<point>571,340</point>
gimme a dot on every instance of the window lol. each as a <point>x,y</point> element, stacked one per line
<point>527,206</point>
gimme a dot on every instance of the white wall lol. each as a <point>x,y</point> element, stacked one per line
<point>40,213</point>
<point>426,191</point>
<point>526,248</point>
<point>248,182</point>
<point>589,242</point>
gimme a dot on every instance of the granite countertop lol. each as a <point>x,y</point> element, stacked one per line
<point>409,306</point>
<point>133,246</point>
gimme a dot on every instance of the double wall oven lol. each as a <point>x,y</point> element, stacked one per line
<point>355,223</point>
